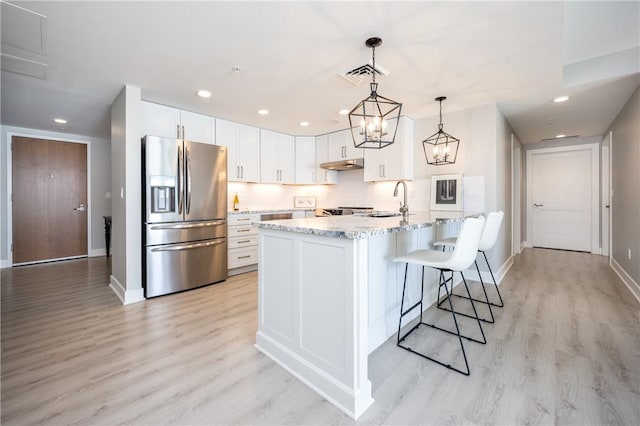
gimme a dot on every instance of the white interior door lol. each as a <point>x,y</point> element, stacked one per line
<point>563,194</point>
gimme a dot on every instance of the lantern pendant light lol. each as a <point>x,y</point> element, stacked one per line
<point>440,148</point>
<point>374,121</point>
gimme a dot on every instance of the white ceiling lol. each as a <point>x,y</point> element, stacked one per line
<point>516,54</point>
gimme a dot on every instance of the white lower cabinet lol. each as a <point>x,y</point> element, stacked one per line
<point>243,242</point>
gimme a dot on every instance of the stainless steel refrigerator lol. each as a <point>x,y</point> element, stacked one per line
<point>185,215</point>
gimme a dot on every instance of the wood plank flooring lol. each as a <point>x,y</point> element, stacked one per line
<point>564,350</point>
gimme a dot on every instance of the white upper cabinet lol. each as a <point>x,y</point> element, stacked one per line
<point>394,162</point>
<point>243,150</point>
<point>324,176</point>
<point>277,157</point>
<point>341,146</point>
<point>168,122</point>
<point>305,150</point>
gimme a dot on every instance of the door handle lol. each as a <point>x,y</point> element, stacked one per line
<point>81,208</point>
<point>607,206</point>
<point>538,205</point>
<point>188,178</point>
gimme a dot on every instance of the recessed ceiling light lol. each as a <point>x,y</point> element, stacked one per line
<point>563,98</point>
<point>343,112</point>
<point>204,93</point>
<point>60,120</point>
<point>263,111</point>
<point>304,123</point>
<point>560,136</point>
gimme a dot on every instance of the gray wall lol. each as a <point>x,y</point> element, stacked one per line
<point>99,181</point>
<point>485,150</point>
<point>625,181</point>
<point>126,155</point>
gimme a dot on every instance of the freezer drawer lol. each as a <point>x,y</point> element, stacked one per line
<point>169,233</point>
<point>176,267</point>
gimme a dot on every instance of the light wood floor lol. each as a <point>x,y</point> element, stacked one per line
<point>564,350</point>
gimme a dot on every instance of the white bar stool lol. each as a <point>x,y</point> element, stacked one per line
<point>487,242</point>
<point>460,259</point>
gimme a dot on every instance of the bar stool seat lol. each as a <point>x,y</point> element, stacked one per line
<point>460,259</point>
<point>487,242</point>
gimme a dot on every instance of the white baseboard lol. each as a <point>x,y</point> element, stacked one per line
<point>352,402</point>
<point>126,297</point>
<point>525,244</point>
<point>4,263</point>
<point>472,274</point>
<point>631,284</point>
<point>97,252</point>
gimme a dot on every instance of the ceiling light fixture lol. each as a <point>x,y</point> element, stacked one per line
<point>60,120</point>
<point>374,121</point>
<point>440,148</point>
<point>563,98</point>
<point>560,136</point>
<point>263,111</point>
<point>304,123</point>
<point>203,93</point>
<point>343,112</point>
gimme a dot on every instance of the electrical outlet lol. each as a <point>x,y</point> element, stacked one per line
<point>629,253</point>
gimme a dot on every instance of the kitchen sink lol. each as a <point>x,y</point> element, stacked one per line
<point>383,214</point>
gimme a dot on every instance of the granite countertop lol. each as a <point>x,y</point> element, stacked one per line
<point>360,226</point>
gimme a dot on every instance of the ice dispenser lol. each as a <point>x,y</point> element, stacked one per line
<point>163,199</point>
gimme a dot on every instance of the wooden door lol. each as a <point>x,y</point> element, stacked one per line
<point>49,186</point>
<point>562,196</point>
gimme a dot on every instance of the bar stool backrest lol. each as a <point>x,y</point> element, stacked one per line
<point>491,230</point>
<point>464,254</point>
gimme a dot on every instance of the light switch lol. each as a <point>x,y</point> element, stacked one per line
<point>108,195</point>
<point>122,192</point>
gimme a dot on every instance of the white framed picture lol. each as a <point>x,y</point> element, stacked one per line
<point>446,192</point>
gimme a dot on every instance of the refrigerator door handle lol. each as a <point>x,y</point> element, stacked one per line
<point>188,246</point>
<point>180,180</point>
<point>187,225</point>
<point>188,173</point>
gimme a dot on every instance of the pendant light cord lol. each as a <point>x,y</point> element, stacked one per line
<point>440,125</point>
<point>373,61</point>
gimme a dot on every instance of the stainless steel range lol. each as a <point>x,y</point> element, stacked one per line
<point>340,211</point>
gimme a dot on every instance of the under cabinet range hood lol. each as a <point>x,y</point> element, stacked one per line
<point>353,164</point>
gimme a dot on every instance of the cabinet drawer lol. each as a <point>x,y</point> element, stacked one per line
<point>242,257</point>
<point>242,219</point>
<point>242,231</point>
<point>245,241</point>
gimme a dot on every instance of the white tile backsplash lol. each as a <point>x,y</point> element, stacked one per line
<point>351,191</point>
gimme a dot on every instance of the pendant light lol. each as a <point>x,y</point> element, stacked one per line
<point>374,121</point>
<point>440,148</point>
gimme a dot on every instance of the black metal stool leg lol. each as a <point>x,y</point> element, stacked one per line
<point>488,321</point>
<point>442,282</point>
<point>501,305</point>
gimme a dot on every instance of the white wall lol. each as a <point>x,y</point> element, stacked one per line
<point>126,203</point>
<point>99,185</point>
<point>625,181</point>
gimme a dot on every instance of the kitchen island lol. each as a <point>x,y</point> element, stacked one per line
<point>329,294</point>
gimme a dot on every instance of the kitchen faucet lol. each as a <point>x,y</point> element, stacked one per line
<point>404,208</point>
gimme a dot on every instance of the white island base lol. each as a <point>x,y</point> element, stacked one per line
<point>327,297</point>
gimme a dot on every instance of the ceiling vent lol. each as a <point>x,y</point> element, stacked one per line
<point>358,74</point>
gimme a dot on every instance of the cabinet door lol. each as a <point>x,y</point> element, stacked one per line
<point>305,149</point>
<point>287,159</point>
<point>160,120</point>
<point>322,156</point>
<point>227,135</point>
<point>336,147</point>
<point>197,127</point>
<point>350,149</point>
<point>373,168</point>
<point>269,172</point>
<point>249,153</point>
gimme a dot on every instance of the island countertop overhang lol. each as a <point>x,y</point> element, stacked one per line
<point>358,226</point>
